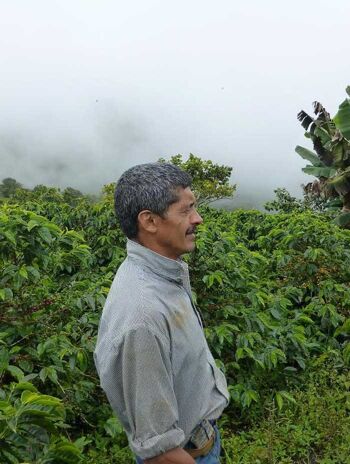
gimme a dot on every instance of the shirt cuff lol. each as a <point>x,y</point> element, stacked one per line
<point>158,444</point>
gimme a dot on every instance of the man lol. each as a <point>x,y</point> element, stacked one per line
<point>151,354</point>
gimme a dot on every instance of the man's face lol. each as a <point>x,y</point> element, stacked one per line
<point>176,231</point>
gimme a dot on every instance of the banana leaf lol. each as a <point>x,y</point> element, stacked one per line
<point>305,119</point>
<point>319,171</point>
<point>341,182</point>
<point>309,156</point>
<point>342,119</point>
<point>339,156</point>
<point>323,134</point>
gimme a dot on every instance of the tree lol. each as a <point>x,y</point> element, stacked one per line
<point>285,202</point>
<point>331,162</point>
<point>8,187</point>
<point>72,196</point>
<point>210,181</point>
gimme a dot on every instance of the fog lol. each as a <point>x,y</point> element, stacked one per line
<point>89,88</point>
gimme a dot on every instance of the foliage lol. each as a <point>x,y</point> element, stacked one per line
<point>331,162</point>
<point>315,430</point>
<point>72,196</point>
<point>8,187</point>
<point>285,202</point>
<point>272,301</point>
<point>313,200</point>
<point>28,417</point>
<point>210,181</point>
<point>275,298</point>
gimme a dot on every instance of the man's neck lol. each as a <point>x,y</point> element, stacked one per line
<point>156,248</point>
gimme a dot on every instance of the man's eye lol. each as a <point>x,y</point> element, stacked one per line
<point>189,209</point>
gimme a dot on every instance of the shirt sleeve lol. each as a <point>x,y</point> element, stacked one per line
<point>148,393</point>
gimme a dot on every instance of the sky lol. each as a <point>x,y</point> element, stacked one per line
<point>89,88</point>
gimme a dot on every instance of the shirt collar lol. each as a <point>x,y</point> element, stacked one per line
<point>170,269</point>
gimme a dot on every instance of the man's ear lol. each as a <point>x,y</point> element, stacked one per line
<point>147,221</point>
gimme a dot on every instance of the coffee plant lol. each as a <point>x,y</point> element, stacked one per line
<point>274,294</point>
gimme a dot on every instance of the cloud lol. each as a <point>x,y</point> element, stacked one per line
<point>91,88</point>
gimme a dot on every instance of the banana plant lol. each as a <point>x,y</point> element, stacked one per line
<point>330,162</point>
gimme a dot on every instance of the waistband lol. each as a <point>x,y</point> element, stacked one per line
<point>203,424</point>
<point>202,438</point>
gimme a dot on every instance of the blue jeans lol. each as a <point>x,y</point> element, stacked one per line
<point>213,457</point>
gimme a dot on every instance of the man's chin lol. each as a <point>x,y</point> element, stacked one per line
<point>190,247</point>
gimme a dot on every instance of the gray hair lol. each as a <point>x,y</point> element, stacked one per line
<point>151,186</point>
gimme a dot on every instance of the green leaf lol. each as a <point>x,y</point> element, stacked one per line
<point>309,156</point>
<point>342,119</point>
<point>4,335</point>
<point>301,362</point>
<point>32,223</point>
<point>290,369</point>
<point>323,134</point>
<point>6,294</point>
<point>40,349</point>
<point>15,372</point>
<point>276,314</point>
<point>43,374</point>
<point>29,377</point>
<point>113,427</point>
<point>10,237</point>
<point>9,294</point>
<point>248,396</point>
<point>344,329</point>
<point>6,407</point>
<point>29,397</point>
<point>52,374</point>
<point>341,182</point>
<point>45,234</point>
<point>23,272</point>
<point>288,397</point>
<point>82,360</point>
<point>279,400</point>
<point>91,302</point>
<point>33,271</point>
<point>305,319</point>
<point>82,442</point>
<point>240,354</point>
<point>319,171</point>
<point>25,386</point>
<point>65,453</point>
<point>264,318</point>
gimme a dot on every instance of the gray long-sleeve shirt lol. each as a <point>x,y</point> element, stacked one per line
<point>152,357</point>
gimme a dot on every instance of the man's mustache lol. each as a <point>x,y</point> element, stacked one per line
<point>191,230</point>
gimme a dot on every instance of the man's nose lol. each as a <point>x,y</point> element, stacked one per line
<point>197,218</point>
